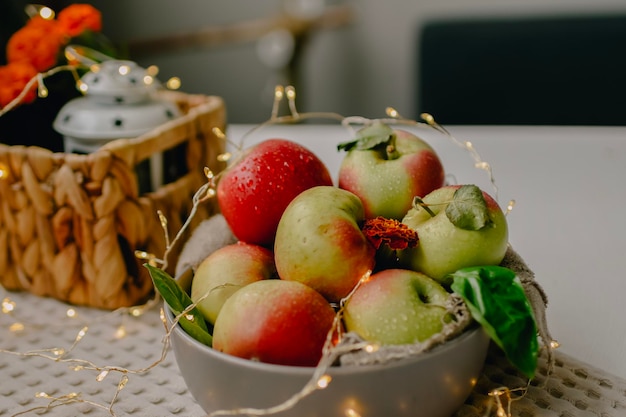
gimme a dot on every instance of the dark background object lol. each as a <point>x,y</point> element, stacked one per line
<point>524,71</point>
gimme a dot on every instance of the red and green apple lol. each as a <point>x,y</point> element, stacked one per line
<point>225,271</point>
<point>397,306</point>
<point>275,321</point>
<point>319,242</point>
<point>387,167</point>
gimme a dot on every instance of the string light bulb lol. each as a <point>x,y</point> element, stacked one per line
<point>173,83</point>
<point>7,305</point>
<point>324,381</point>
<point>39,10</point>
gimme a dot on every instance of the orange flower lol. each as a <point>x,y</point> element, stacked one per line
<point>37,43</point>
<point>395,234</point>
<point>13,79</point>
<point>76,18</point>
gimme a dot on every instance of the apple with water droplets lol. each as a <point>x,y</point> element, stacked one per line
<point>253,192</point>
<point>387,167</point>
<point>478,237</point>
<point>275,321</point>
<point>319,242</point>
<point>397,306</point>
<point>225,271</point>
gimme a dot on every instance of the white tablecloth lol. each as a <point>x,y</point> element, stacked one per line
<point>574,389</point>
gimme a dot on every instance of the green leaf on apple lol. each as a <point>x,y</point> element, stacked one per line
<point>468,208</point>
<point>178,300</point>
<point>496,299</point>
<point>369,137</point>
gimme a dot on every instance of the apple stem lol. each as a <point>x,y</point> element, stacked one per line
<point>419,202</point>
<point>390,149</point>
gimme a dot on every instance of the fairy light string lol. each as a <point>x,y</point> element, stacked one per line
<point>502,396</point>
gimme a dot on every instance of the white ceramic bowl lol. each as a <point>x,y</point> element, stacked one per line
<point>434,384</point>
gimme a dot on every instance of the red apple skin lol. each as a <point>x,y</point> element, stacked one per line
<point>225,271</point>
<point>253,193</point>
<point>387,186</point>
<point>275,321</point>
<point>319,242</point>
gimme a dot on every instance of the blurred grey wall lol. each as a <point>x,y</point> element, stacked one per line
<point>359,69</point>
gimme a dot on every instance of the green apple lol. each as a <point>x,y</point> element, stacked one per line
<point>458,227</point>
<point>319,242</point>
<point>386,168</point>
<point>225,271</point>
<point>397,306</point>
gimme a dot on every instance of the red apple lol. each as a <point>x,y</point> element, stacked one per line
<point>274,321</point>
<point>254,191</point>
<point>227,270</point>
<point>319,242</point>
<point>386,168</point>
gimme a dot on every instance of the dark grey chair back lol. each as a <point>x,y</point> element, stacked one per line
<point>524,71</point>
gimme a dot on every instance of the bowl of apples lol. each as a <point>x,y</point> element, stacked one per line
<point>356,299</point>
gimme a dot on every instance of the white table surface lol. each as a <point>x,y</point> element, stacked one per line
<point>568,222</point>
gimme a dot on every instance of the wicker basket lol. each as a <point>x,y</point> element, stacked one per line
<point>70,223</point>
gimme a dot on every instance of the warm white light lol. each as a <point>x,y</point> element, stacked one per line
<point>16,327</point>
<point>7,305</point>
<point>82,87</point>
<point>120,333</point>
<point>102,375</point>
<point>224,157</point>
<point>554,344</point>
<point>152,70</point>
<point>391,112</point>
<point>46,13</point>
<point>371,348</point>
<point>173,83</point>
<point>324,381</point>
<point>148,80</point>
<point>351,412</point>
<point>71,313</point>
<point>123,69</point>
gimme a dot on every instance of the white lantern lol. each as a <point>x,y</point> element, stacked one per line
<point>119,102</point>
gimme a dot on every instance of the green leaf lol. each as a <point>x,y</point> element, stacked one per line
<point>497,300</point>
<point>368,137</point>
<point>178,300</point>
<point>468,208</point>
